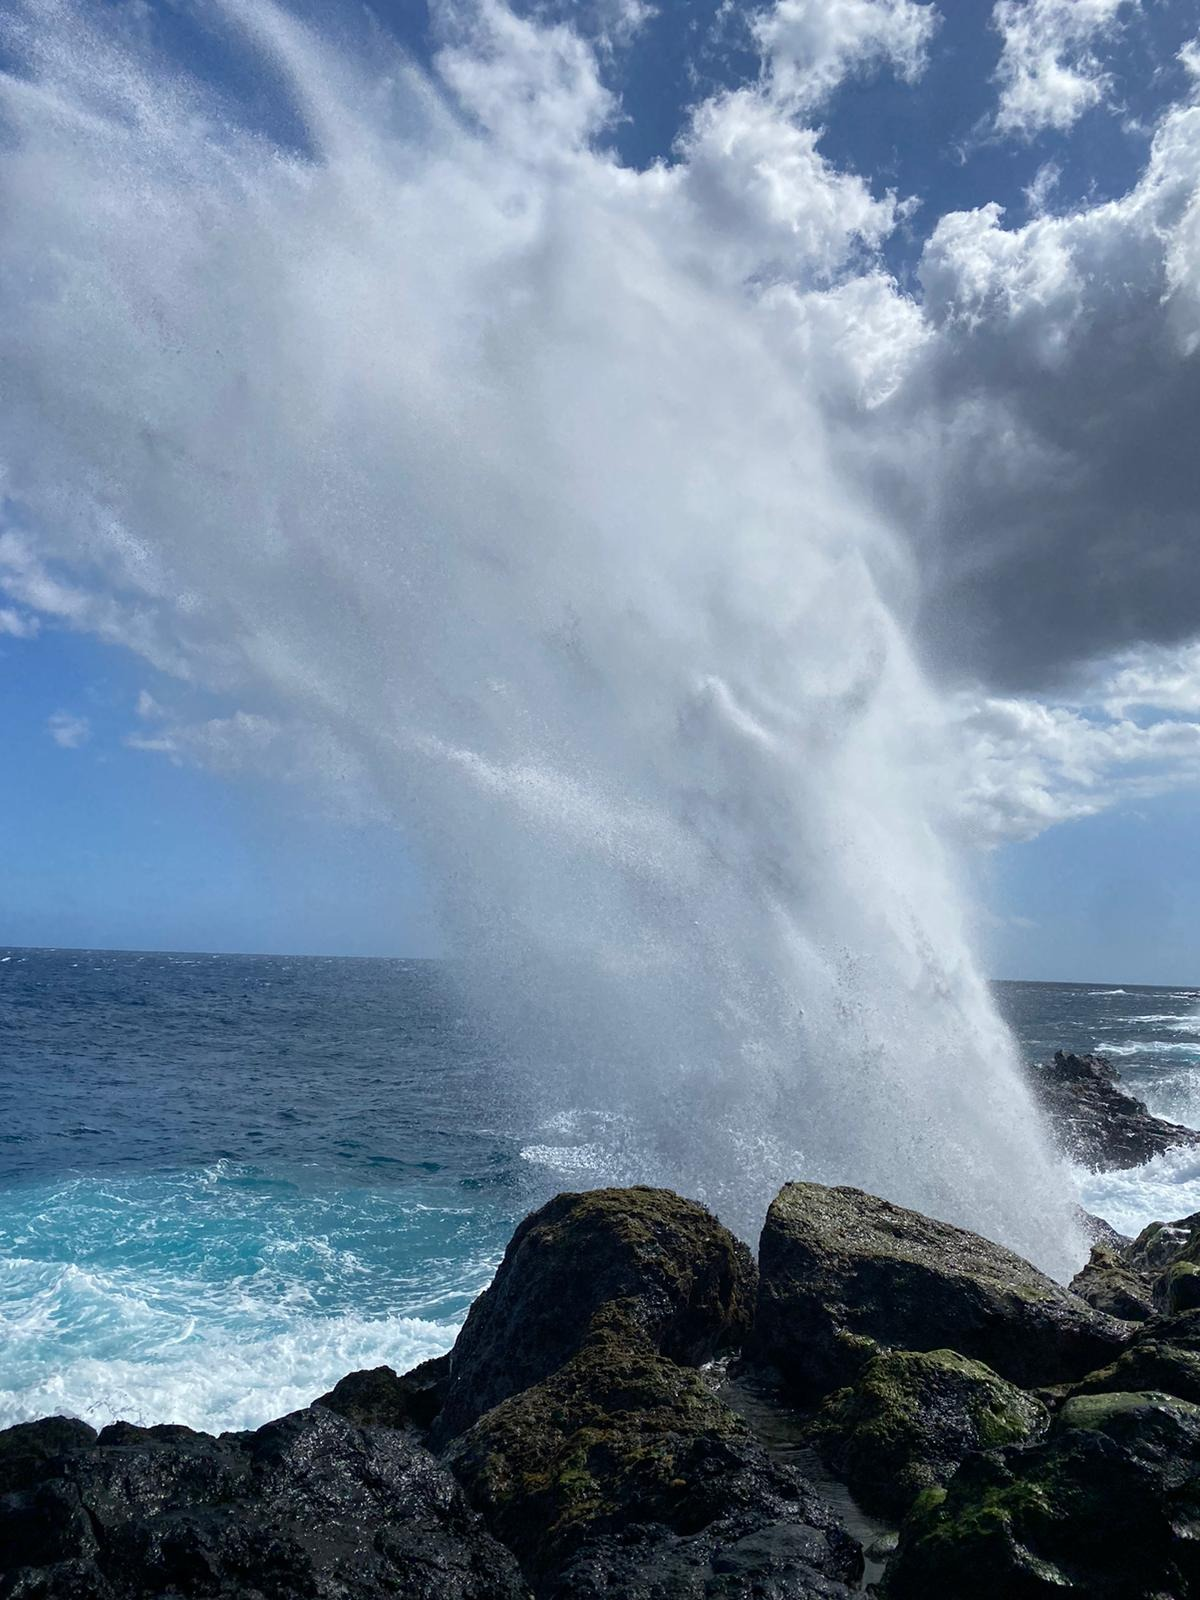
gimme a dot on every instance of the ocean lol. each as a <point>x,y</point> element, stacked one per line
<point>225,1181</point>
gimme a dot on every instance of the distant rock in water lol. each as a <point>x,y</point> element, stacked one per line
<point>1097,1123</point>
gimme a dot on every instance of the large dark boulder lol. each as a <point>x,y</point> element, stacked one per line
<point>1148,1365</point>
<point>620,1438</point>
<point>912,1418</point>
<point>660,1269</point>
<point>1105,1509</point>
<point>307,1506</point>
<point>1096,1121</point>
<point>843,1275</point>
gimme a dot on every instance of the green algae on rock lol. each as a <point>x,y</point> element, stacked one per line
<point>1105,1508</point>
<point>620,1436</point>
<point>660,1268</point>
<point>844,1274</point>
<point>912,1417</point>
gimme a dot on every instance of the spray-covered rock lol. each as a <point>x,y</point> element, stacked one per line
<point>844,1275</point>
<point>1110,1284</point>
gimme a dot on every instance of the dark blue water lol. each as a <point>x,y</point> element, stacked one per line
<point>225,1181</point>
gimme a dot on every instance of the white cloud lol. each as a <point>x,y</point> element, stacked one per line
<point>68,730</point>
<point>811,46</point>
<point>1049,73</point>
<point>18,624</point>
<point>767,198</point>
<point>535,87</point>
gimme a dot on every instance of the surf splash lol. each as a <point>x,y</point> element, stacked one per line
<point>492,479</point>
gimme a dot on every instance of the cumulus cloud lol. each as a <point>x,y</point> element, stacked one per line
<point>68,730</point>
<point>1062,389</point>
<point>811,46</point>
<point>1049,72</point>
<point>1016,433</point>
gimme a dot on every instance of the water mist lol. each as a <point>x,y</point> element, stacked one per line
<point>475,455</point>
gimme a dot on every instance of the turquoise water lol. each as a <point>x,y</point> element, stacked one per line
<point>226,1181</point>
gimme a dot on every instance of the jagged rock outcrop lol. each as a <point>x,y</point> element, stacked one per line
<point>1104,1509</point>
<point>912,1417</point>
<point>581,1429</point>
<point>622,1437</point>
<point>844,1275</point>
<point>1097,1122</point>
<point>380,1398</point>
<point>307,1506</point>
<point>659,1268</point>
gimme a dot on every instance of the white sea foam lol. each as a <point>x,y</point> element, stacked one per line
<point>469,462</point>
<point>1163,1189</point>
<point>216,1382</point>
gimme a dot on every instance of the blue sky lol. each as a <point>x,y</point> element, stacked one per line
<point>108,841</point>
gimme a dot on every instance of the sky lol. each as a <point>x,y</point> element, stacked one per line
<point>975,230</point>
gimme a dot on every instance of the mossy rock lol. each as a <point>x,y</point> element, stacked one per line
<point>912,1417</point>
<point>659,1269</point>
<point>843,1274</point>
<point>1147,1365</point>
<point>621,1437</point>
<point>1105,1508</point>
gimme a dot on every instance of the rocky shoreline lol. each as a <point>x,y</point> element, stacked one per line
<point>637,1410</point>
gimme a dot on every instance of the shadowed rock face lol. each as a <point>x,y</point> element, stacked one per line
<point>661,1269</point>
<point>622,1437</point>
<point>1096,1121</point>
<point>844,1275</point>
<point>307,1506</point>
<point>1102,1510</point>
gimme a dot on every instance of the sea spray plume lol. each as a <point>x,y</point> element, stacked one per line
<point>442,435</point>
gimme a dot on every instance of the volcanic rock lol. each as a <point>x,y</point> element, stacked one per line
<point>379,1398</point>
<point>1106,1508</point>
<point>1097,1122</point>
<point>307,1506</point>
<point>661,1269</point>
<point>844,1275</point>
<point>621,1438</point>
<point>911,1418</point>
<point>1108,1283</point>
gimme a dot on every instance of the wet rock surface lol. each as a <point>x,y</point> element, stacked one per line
<point>1109,1283</point>
<point>576,1446</point>
<point>1105,1508</point>
<point>1097,1122</point>
<point>844,1275</point>
<point>660,1269</point>
<point>309,1505</point>
<point>912,1418</point>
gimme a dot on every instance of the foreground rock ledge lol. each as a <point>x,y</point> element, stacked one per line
<point>574,1447</point>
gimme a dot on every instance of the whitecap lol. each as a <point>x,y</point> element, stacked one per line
<point>1161,1190</point>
